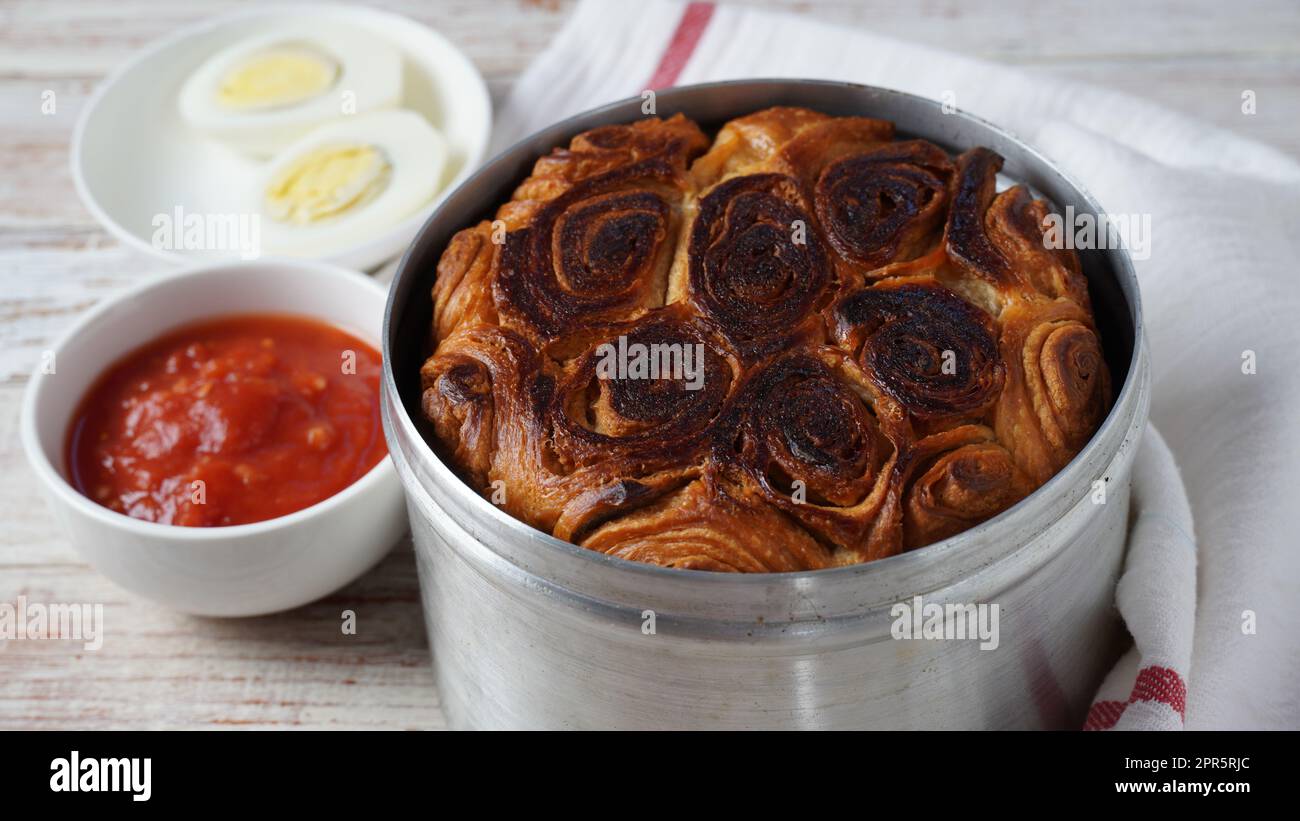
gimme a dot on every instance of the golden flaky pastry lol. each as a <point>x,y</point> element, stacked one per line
<point>874,349</point>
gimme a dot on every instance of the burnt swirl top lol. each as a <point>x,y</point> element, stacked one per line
<point>929,349</point>
<point>885,203</point>
<point>800,344</point>
<point>756,264</point>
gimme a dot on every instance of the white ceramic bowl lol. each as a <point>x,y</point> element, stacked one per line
<point>133,158</point>
<point>241,570</point>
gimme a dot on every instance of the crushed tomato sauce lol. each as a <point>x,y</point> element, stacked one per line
<point>228,421</point>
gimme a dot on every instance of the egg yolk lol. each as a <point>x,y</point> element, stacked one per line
<point>277,77</point>
<point>327,181</point>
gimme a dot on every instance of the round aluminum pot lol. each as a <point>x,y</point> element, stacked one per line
<point>528,631</point>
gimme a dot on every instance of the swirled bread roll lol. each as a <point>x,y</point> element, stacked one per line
<point>802,344</point>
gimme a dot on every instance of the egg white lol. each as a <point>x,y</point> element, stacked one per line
<point>417,154</point>
<point>369,74</point>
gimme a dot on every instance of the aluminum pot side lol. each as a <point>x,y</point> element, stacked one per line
<point>528,631</point>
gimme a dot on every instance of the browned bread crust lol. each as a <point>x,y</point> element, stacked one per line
<point>888,353</point>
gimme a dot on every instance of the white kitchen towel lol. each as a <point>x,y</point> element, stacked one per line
<point>1156,595</point>
<point>1221,296</point>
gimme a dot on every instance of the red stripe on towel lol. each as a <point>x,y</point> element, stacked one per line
<point>695,18</point>
<point>1104,715</point>
<point>1159,684</point>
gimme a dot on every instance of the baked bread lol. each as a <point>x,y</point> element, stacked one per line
<point>862,347</point>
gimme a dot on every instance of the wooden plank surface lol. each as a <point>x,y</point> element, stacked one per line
<point>160,669</point>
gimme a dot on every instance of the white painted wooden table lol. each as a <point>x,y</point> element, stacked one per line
<point>158,669</point>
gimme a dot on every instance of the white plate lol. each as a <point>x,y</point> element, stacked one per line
<point>133,158</point>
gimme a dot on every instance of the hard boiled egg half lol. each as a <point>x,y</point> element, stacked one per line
<point>262,93</point>
<point>348,182</point>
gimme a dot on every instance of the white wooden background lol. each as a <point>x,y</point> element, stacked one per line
<point>158,669</point>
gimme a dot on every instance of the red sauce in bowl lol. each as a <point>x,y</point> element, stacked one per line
<point>232,420</point>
